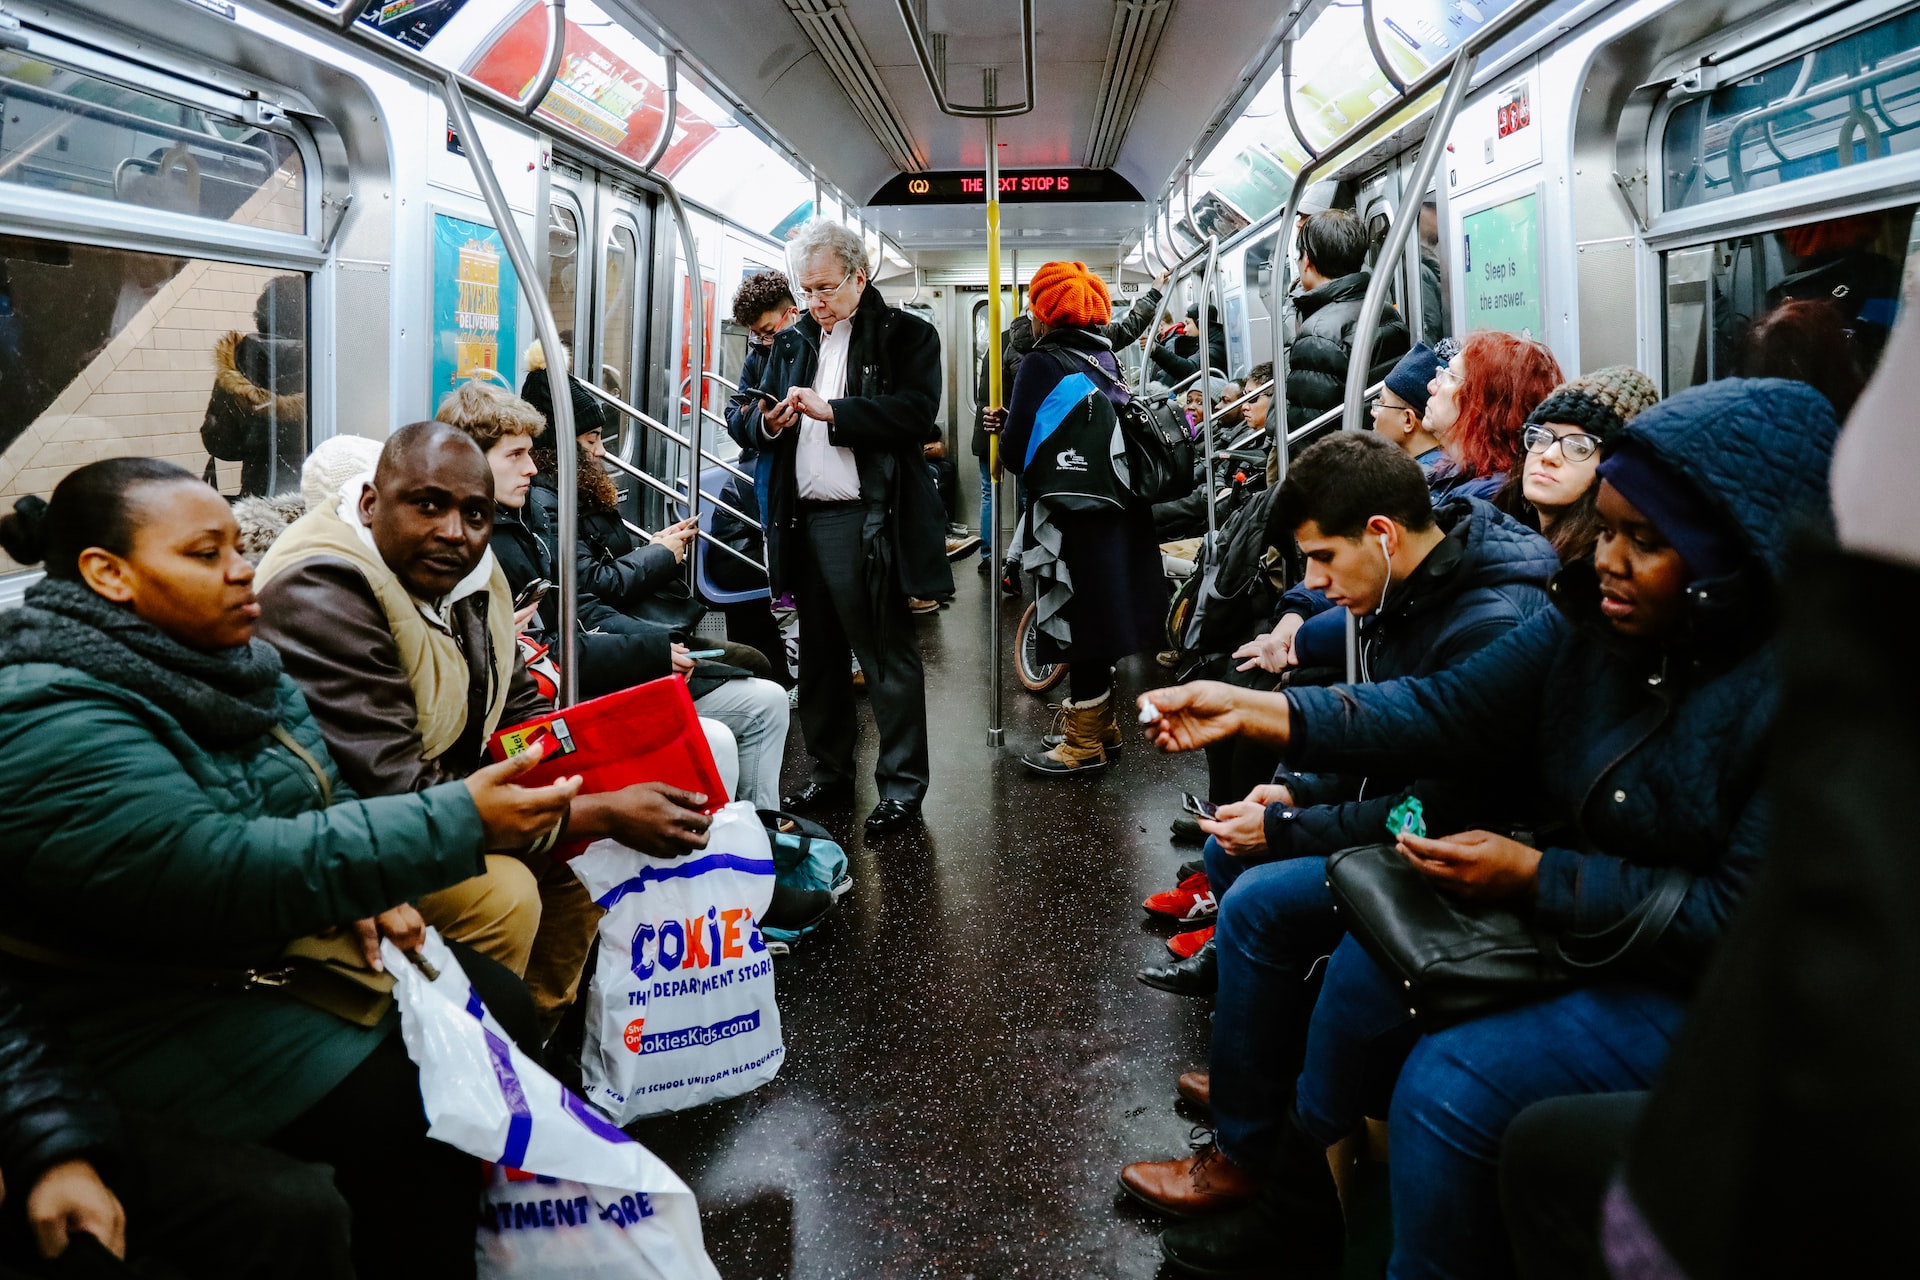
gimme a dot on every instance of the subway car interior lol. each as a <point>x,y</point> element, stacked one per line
<point>795,290</point>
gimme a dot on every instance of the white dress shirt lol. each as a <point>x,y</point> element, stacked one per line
<point>824,472</point>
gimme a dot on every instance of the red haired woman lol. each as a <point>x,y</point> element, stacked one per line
<point>1477,405</point>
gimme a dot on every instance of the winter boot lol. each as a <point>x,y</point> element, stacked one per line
<point>1080,749</point>
<point>1111,736</point>
<point>1292,1229</point>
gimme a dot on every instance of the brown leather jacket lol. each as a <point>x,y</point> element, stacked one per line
<point>334,641</point>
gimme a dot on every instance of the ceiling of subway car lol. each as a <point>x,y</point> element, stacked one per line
<point>791,62</point>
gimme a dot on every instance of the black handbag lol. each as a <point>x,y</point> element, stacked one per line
<point>1160,454</point>
<point>1459,960</point>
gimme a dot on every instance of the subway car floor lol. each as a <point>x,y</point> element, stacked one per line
<point>970,1059</point>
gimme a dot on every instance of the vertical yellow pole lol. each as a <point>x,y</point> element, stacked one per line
<point>995,394</point>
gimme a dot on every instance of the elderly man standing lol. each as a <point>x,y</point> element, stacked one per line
<point>854,523</point>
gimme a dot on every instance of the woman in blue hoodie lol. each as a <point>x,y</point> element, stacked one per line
<point>1632,722</point>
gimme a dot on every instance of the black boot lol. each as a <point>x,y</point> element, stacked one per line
<point>1197,975</point>
<point>1291,1231</point>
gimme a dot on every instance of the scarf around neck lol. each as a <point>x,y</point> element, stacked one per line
<point>221,700</point>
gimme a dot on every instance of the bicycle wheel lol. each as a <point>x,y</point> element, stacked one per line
<point>1035,676</point>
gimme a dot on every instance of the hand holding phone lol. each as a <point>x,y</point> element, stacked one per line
<point>533,593</point>
<point>1197,807</point>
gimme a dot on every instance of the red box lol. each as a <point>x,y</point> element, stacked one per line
<point>649,733</point>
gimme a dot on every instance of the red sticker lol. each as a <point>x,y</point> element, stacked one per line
<point>632,1034</point>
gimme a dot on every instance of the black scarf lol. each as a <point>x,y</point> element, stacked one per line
<point>222,700</point>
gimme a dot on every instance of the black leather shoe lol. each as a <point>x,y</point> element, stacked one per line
<point>891,815</point>
<point>1193,868</point>
<point>1197,975</point>
<point>1187,831</point>
<point>816,796</point>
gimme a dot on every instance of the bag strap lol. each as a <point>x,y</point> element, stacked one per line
<point>306,757</point>
<point>1642,926</point>
<point>1098,368</point>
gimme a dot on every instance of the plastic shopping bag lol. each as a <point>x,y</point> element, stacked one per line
<point>682,1009</point>
<point>597,1203</point>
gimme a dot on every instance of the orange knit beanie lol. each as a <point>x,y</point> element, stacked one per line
<point>1066,293</point>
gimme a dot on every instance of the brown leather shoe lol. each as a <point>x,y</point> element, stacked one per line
<point>1196,1089</point>
<point>1204,1182</point>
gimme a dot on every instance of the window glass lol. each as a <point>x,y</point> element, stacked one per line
<point>106,353</point>
<point>616,326</point>
<point>66,130</point>
<point>1854,101</point>
<point>563,268</point>
<point>1813,302</point>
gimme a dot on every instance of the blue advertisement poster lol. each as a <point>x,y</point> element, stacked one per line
<point>1502,268</point>
<point>476,302</point>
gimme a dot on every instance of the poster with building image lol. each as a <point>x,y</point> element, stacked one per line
<point>476,305</point>
<point>1500,264</point>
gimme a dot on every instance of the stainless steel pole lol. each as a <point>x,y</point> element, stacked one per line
<point>1207,283</point>
<point>996,734</point>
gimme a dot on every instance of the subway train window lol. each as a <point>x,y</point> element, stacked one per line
<point>67,130</point>
<point>616,329</point>
<point>1813,302</point>
<point>1853,101</point>
<point>107,352</point>
<point>563,267</point>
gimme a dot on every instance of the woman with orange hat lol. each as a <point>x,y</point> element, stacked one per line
<point>1107,597</point>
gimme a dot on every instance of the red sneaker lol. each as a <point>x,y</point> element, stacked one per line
<point>1191,902</point>
<point>1185,945</point>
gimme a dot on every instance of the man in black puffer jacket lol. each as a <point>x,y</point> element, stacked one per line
<point>1321,314</point>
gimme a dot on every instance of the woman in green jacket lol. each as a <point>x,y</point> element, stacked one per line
<point>170,821</point>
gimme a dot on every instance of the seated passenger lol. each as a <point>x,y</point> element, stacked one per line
<point>1401,407</point>
<point>1634,721</point>
<point>396,622</point>
<point>165,828</point>
<point>616,650</point>
<point>1477,404</point>
<point>1562,439</point>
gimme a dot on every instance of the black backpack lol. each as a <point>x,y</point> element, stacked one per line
<point>1160,454</point>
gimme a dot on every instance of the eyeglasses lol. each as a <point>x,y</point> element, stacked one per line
<point>1575,446</point>
<point>1448,376</point>
<point>808,295</point>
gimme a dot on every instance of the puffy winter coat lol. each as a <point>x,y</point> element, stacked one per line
<point>640,581</point>
<point>122,839</point>
<point>1640,758</point>
<point>49,1112</point>
<point>886,415</point>
<point>1319,328</point>
<point>258,407</point>
<point>1488,576</point>
<point>1174,364</point>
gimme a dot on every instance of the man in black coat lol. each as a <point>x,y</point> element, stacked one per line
<point>1322,312</point>
<point>854,523</point>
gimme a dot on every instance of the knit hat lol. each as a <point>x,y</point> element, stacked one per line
<point>333,462</point>
<point>1066,293</point>
<point>1598,402</point>
<point>588,415</point>
<point>1317,198</point>
<point>1409,378</point>
<point>1674,507</point>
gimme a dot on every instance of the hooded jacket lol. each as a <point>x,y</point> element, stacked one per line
<point>886,415</point>
<point>1486,577</point>
<point>1639,757</point>
<point>259,404</point>
<point>1174,362</point>
<point>1319,329</point>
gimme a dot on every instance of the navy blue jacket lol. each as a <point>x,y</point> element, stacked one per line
<point>1644,757</point>
<point>1487,577</point>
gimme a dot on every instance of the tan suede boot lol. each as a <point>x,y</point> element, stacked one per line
<point>1112,737</point>
<point>1080,749</point>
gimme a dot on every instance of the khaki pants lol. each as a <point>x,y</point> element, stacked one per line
<point>539,928</point>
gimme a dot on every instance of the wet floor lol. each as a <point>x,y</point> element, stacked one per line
<point>970,1059</point>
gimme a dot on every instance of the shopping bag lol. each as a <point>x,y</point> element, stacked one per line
<point>597,1204</point>
<point>681,1009</point>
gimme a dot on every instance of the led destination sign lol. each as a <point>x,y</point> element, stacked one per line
<point>1017,186</point>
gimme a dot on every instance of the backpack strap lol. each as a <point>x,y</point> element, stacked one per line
<point>1100,369</point>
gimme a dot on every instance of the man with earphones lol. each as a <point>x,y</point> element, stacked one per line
<point>1428,587</point>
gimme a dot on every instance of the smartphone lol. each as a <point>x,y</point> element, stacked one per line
<point>535,592</point>
<point>1197,807</point>
<point>765,397</point>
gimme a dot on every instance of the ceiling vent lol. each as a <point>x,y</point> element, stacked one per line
<point>829,26</point>
<point>1134,40</point>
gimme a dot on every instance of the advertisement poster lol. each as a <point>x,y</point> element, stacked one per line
<point>476,302</point>
<point>1501,256</point>
<point>411,22</point>
<point>686,336</point>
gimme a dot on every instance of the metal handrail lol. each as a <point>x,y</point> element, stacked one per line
<point>664,138</point>
<point>679,499</point>
<point>542,84</point>
<point>649,420</point>
<point>989,111</point>
<point>1379,51</point>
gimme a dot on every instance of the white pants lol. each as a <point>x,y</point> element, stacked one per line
<point>756,711</point>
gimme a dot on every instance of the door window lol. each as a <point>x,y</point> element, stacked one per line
<point>563,268</point>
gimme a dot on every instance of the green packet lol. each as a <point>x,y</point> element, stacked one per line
<point>1407,816</point>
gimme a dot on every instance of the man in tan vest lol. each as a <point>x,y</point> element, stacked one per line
<point>390,612</point>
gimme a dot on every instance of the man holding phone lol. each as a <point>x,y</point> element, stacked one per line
<point>854,524</point>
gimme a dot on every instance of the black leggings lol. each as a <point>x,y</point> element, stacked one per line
<point>412,1198</point>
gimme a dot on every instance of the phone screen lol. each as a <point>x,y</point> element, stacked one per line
<point>1197,807</point>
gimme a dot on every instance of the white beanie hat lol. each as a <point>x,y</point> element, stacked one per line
<point>333,462</point>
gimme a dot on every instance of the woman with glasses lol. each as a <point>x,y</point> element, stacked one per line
<point>1477,403</point>
<point>1562,441</point>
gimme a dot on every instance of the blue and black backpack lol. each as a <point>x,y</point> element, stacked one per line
<point>805,856</point>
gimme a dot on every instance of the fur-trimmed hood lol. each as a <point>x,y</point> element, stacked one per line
<point>262,520</point>
<point>240,364</point>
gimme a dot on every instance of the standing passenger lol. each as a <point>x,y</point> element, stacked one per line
<point>854,524</point>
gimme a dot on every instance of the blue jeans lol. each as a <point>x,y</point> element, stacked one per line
<point>1223,868</point>
<point>1459,1089</point>
<point>1275,924</point>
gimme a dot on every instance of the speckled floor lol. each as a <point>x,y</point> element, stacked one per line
<point>969,1057</point>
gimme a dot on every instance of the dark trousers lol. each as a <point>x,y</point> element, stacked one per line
<point>1237,765</point>
<point>1555,1163</point>
<point>837,621</point>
